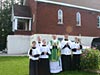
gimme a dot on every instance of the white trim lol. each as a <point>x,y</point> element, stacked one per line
<point>33,18</point>
<point>30,25</point>
<point>12,17</point>
<point>13,25</point>
<point>22,17</point>
<point>69,5</point>
<point>24,1</point>
<point>16,24</point>
<point>26,27</point>
<point>98,27</point>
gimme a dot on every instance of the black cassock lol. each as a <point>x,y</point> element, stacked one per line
<point>66,60</point>
<point>33,64</point>
<point>33,67</point>
<point>44,68</point>
<point>76,58</point>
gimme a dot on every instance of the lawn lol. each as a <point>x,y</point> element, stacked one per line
<point>19,66</point>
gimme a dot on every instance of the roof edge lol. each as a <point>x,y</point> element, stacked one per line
<point>69,5</point>
<point>24,1</point>
<point>22,17</point>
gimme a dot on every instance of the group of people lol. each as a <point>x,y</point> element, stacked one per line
<point>55,56</point>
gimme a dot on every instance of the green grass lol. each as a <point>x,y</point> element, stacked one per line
<point>77,73</point>
<point>19,66</point>
<point>14,66</point>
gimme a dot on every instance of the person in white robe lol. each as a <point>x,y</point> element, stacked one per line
<point>44,59</point>
<point>66,53</point>
<point>55,57</point>
<point>77,51</point>
<point>38,41</point>
<point>34,54</point>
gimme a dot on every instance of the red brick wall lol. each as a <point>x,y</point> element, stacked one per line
<point>47,20</point>
<point>18,32</point>
<point>33,7</point>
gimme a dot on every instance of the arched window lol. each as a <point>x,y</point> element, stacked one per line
<point>78,19</point>
<point>60,16</point>
<point>98,24</point>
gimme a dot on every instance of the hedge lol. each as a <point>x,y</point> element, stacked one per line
<point>90,59</point>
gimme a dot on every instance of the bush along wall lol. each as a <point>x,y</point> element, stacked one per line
<point>90,60</point>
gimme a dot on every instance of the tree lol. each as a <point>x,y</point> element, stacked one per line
<point>5,21</point>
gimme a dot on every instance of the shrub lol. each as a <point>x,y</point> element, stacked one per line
<point>90,59</point>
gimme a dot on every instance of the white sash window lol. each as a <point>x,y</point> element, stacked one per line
<point>78,19</point>
<point>98,24</point>
<point>60,16</point>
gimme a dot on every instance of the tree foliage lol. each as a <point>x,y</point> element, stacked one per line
<point>5,21</point>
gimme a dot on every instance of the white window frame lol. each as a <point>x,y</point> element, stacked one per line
<point>60,16</point>
<point>98,21</point>
<point>15,23</point>
<point>78,19</point>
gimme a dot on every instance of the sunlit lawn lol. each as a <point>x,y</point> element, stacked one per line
<point>19,66</point>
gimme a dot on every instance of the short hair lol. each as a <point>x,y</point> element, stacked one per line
<point>33,42</point>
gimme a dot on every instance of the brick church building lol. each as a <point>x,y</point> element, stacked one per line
<point>38,17</point>
<point>55,17</point>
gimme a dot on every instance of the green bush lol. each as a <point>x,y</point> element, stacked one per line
<point>90,59</point>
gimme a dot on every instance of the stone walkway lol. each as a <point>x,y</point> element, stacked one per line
<point>5,54</point>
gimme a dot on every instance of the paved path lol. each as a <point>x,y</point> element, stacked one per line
<point>4,54</point>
